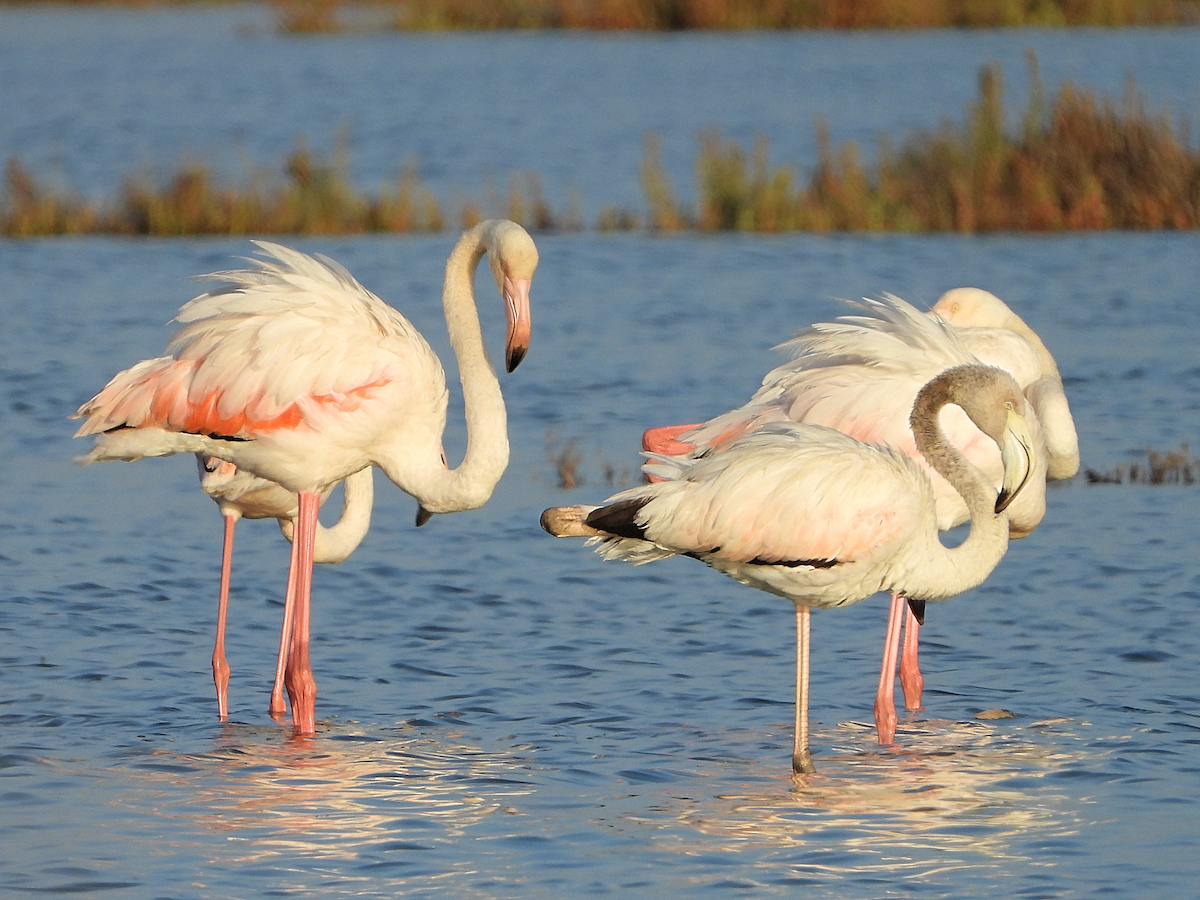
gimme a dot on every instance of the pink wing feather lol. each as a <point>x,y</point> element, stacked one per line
<point>265,350</point>
<point>786,493</point>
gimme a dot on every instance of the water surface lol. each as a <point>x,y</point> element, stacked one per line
<point>506,715</point>
<point>503,714</point>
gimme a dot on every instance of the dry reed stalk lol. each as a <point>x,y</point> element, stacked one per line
<point>565,460</point>
<point>664,211</point>
<point>1159,467</point>
<point>308,16</point>
<point>32,210</point>
<point>678,15</point>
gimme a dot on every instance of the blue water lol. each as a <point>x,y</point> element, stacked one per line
<point>506,715</point>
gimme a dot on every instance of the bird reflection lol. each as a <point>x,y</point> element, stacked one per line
<point>956,790</point>
<point>318,798</point>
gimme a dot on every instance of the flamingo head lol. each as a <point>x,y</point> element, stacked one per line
<point>998,409</point>
<point>513,257</point>
<point>969,307</point>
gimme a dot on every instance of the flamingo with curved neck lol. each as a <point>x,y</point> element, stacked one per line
<point>295,372</point>
<point>860,374</point>
<point>818,517</point>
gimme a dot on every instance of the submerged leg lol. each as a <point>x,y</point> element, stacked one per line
<point>301,687</point>
<point>278,707</point>
<point>220,666</point>
<point>911,679</point>
<point>801,758</point>
<point>885,701</point>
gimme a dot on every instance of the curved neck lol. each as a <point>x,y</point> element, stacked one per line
<point>1017,324</point>
<point>944,571</point>
<point>336,543</point>
<point>470,484</point>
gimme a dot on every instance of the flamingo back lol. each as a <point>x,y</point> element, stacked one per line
<point>270,349</point>
<point>787,494</point>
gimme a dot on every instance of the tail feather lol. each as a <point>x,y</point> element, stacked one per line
<point>568,521</point>
<point>130,444</point>
<point>618,519</point>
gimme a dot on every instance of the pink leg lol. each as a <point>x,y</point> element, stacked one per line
<point>278,707</point>
<point>220,666</point>
<point>885,703</point>
<point>801,757</point>
<point>911,679</point>
<point>301,687</point>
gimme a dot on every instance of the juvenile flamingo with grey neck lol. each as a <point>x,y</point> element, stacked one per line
<point>294,372</point>
<point>240,495</point>
<point>816,516</point>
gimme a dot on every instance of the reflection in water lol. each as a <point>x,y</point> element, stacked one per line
<point>954,796</point>
<point>326,797</point>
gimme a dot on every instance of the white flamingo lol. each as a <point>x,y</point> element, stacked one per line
<point>823,519</point>
<point>860,375</point>
<point>240,495</point>
<point>293,371</point>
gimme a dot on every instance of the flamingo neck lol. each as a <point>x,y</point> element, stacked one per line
<point>945,571</point>
<point>1017,324</point>
<point>470,484</point>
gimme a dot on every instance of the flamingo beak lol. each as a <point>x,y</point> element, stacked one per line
<point>516,310</point>
<point>1016,455</point>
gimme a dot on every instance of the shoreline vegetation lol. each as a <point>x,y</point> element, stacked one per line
<point>1158,467</point>
<point>1076,162</point>
<point>337,16</point>
<point>316,16</point>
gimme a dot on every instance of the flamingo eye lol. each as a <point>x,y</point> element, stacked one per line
<point>211,464</point>
<point>1008,404</point>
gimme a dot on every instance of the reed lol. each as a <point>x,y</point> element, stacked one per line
<point>1078,162</point>
<point>565,460</point>
<point>305,16</point>
<point>308,195</point>
<point>1158,467</point>
<point>1075,162</point>
<point>31,210</point>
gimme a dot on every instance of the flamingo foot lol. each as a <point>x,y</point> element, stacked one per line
<point>302,690</point>
<point>802,763</point>
<point>278,707</point>
<point>885,720</point>
<point>221,680</point>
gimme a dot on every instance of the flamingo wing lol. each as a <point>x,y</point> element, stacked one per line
<point>787,494</point>
<point>269,348</point>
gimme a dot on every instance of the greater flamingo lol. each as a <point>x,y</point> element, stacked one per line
<point>860,375</point>
<point>295,372</point>
<point>813,515</point>
<point>240,495</point>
